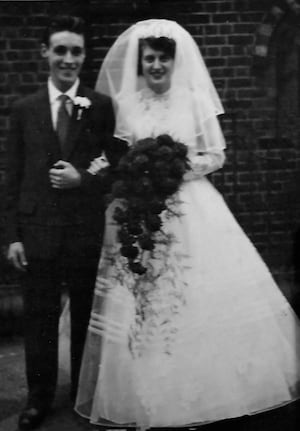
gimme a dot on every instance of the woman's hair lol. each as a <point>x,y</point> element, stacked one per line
<point>164,44</point>
<point>70,23</point>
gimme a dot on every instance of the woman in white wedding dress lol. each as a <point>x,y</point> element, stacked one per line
<point>209,335</point>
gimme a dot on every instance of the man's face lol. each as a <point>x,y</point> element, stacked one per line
<point>65,55</point>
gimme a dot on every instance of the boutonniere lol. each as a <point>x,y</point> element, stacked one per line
<point>81,103</point>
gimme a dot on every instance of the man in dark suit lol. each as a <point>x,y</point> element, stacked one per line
<point>55,209</point>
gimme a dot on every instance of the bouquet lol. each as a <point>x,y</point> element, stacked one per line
<point>148,175</point>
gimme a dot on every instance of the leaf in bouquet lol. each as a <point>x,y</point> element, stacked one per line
<point>114,150</point>
<point>178,168</point>
<point>108,198</point>
<point>119,189</point>
<point>139,164</point>
<point>143,187</point>
<point>126,238</point>
<point>137,267</point>
<point>159,168</point>
<point>135,229</point>
<point>144,145</point>
<point>120,215</point>
<point>170,186</point>
<point>164,153</point>
<point>165,140</point>
<point>153,222</point>
<point>146,242</point>
<point>157,206</point>
<point>138,205</point>
<point>129,251</point>
<point>180,150</point>
<point>123,166</point>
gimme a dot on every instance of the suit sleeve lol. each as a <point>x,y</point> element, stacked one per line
<point>101,183</point>
<point>13,175</point>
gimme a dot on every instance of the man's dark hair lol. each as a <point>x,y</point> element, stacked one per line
<point>164,44</point>
<point>74,24</point>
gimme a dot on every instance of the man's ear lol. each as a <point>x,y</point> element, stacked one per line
<point>44,50</point>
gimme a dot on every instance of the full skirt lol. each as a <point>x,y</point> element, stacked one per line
<point>204,335</point>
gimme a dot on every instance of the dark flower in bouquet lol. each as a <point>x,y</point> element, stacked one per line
<point>147,176</point>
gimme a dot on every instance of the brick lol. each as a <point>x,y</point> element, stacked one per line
<point>224,18</point>
<point>23,44</point>
<point>239,82</point>
<point>244,28</point>
<point>215,40</point>
<point>11,20</point>
<point>226,51</point>
<point>224,72</point>
<point>12,55</point>
<point>37,20</point>
<point>4,67</point>
<point>240,39</point>
<point>200,18</point>
<point>14,79</point>
<point>28,55</point>
<point>25,67</point>
<point>9,33</point>
<point>4,112</point>
<point>226,6</point>
<point>213,51</point>
<point>28,78</point>
<point>211,29</point>
<point>3,44</point>
<point>239,61</point>
<point>253,17</point>
<point>27,89</point>
<point>241,71</point>
<point>210,6</point>
<point>214,62</point>
<point>225,29</point>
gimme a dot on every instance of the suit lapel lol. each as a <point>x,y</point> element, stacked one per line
<point>43,117</point>
<point>75,126</point>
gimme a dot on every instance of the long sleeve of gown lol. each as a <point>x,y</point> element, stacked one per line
<point>203,164</point>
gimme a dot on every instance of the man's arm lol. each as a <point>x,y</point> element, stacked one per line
<point>13,177</point>
<point>100,183</point>
<point>13,174</point>
<point>64,175</point>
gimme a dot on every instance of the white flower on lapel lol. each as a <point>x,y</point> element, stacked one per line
<point>82,103</point>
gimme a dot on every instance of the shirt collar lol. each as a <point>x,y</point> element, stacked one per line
<point>54,93</point>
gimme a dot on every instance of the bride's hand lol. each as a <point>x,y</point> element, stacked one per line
<point>97,165</point>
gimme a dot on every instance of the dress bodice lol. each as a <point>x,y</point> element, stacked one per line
<point>147,114</point>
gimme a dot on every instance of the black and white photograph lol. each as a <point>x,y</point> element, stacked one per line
<point>150,215</point>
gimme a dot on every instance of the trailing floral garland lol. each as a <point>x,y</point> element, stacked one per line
<point>147,176</point>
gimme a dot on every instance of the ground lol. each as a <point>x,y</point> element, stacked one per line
<point>62,418</point>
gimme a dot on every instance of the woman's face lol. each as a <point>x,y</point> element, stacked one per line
<point>157,68</point>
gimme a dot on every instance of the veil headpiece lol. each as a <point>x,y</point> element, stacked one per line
<point>119,79</point>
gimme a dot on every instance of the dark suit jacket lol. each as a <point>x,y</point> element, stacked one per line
<point>33,148</point>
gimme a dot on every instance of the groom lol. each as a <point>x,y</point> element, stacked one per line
<point>55,208</point>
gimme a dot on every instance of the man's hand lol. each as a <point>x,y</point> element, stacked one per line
<point>97,165</point>
<point>16,256</point>
<point>63,175</point>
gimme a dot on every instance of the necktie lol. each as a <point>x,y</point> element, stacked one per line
<point>63,119</point>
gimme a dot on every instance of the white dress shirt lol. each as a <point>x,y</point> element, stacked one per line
<point>54,94</point>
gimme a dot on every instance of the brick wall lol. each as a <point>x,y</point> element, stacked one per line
<point>258,181</point>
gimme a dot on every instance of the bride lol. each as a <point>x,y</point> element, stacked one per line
<point>217,339</point>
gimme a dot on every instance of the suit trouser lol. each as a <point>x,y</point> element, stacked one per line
<point>42,286</point>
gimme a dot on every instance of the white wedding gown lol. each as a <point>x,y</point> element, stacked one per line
<point>210,336</point>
